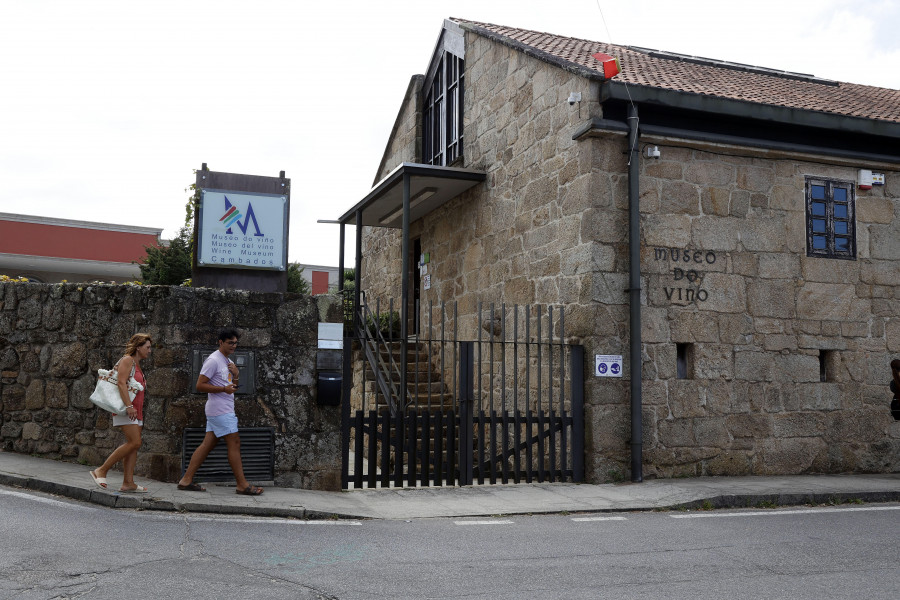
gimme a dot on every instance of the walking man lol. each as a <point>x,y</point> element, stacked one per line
<point>219,380</point>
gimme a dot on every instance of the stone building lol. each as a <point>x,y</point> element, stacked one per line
<point>765,227</point>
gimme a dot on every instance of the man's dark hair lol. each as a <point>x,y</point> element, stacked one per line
<point>227,334</point>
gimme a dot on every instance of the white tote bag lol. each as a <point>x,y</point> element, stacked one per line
<point>106,394</point>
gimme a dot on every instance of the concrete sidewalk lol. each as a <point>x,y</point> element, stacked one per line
<point>73,481</point>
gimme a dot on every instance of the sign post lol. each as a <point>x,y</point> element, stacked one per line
<point>241,231</point>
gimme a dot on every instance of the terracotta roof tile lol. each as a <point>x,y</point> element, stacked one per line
<point>714,78</point>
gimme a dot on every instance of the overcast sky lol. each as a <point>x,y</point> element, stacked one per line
<point>107,107</point>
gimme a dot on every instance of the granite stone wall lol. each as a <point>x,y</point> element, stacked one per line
<point>726,283</point>
<point>786,355</point>
<point>54,337</point>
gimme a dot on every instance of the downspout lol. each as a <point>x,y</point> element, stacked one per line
<point>357,275</point>
<point>341,262</point>
<point>404,293</point>
<point>634,292</point>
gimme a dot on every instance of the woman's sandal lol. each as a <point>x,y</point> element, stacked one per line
<point>191,487</point>
<point>250,490</point>
<point>100,481</point>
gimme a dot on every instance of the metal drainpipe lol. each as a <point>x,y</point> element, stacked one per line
<point>634,292</point>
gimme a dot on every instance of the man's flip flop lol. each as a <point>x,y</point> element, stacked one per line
<point>138,490</point>
<point>100,481</point>
<point>191,487</point>
<point>250,490</point>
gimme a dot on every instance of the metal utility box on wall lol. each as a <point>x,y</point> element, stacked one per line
<point>330,377</point>
<point>246,364</point>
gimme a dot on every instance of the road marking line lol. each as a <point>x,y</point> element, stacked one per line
<point>273,521</point>
<point>493,522</point>
<point>600,519</point>
<point>46,500</point>
<point>775,512</point>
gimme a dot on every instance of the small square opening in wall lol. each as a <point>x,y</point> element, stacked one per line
<point>684,356</point>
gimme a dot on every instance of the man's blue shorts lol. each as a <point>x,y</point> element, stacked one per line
<point>222,425</point>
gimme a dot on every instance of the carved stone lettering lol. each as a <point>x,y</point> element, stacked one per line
<point>685,255</point>
<point>691,275</point>
<point>686,294</point>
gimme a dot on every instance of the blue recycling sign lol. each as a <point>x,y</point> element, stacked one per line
<point>608,365</point>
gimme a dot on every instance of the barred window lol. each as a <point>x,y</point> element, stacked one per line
<point>443,129</point>
<point>830,218</point>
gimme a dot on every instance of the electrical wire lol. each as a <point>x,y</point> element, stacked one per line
<point>627,91</point>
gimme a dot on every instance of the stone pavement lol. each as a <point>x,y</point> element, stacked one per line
<point>73,480</point>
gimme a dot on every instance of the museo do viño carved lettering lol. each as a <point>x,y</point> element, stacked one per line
<point>686,257</point>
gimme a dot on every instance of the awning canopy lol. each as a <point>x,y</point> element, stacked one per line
<point>429,188</point>
<point>421,188</point>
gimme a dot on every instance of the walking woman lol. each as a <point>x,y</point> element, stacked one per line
<point>131,423</point>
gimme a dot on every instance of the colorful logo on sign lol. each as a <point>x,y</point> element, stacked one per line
<point>233,216</point>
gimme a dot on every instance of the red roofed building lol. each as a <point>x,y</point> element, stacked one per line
<point>49,250</point>
<point>721,241</point>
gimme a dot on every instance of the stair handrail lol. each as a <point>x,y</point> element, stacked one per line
<point>382,370</point>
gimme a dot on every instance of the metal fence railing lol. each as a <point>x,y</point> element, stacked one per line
<point>507,402</point>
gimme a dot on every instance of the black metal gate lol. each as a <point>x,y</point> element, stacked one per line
<point>491,410</point>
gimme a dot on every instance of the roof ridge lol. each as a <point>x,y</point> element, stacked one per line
<point>681,73</point>
<point>556,35</point>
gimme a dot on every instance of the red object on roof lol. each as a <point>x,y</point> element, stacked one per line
<point>89,241</point>
<point>718,79</point>
<point>610,64</point>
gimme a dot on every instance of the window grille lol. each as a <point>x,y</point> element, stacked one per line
<point>443,128</point>
<point>830,218</point>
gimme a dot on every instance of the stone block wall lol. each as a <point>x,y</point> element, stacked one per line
<point>523,244</point>
<point>54,337</point>
<point>406,135</point>
<point>752,315</point>
<point>727,277</point>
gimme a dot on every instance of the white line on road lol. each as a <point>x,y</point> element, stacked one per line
<point>600,519</point>
<point>492,522</point>
<point>776,512</point>
<point>46,500</point>
<point>272,520</point>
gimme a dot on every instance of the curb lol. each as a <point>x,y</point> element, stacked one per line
<point>722,501</point>
<point>116,500</point>
<point>776,500</point>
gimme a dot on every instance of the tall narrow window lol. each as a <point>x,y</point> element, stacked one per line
<point>442,126</point>
<point>830,218</point>
<point>683,358</point>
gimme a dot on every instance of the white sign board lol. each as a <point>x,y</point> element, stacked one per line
<point>242,230</point>
<point>608,365</point>
<point>331,336</point>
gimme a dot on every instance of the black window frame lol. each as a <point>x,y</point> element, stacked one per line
<point>830,220</point>
<point>442,113</point>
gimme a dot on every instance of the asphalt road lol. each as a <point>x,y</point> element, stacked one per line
<point>58,548</point>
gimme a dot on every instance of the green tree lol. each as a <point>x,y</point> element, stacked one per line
<point>168,265</point>
<point>349,279</point>
<point>295,282</point>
